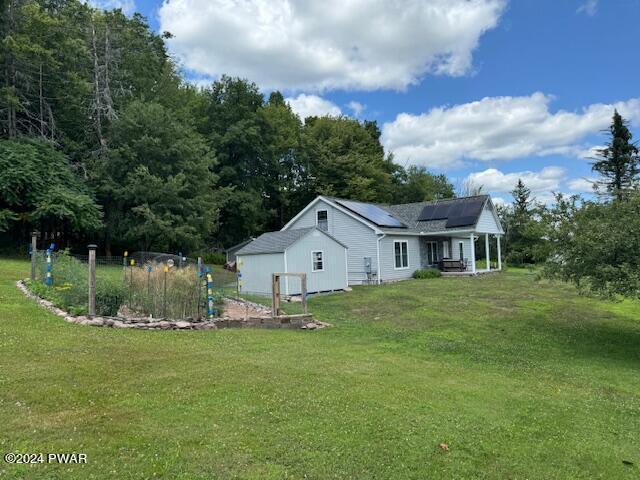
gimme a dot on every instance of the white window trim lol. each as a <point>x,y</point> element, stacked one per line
<point>322,210</point>
<point>434,249</point>
<point>394,254</point>
<point>321,252</point>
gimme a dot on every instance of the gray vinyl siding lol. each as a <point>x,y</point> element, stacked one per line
<point>361,239</point>
<point>256,272</point>
<point>299,260</point>
<point>387,257</point>
<point>487,222</point>
<point>466,246</point>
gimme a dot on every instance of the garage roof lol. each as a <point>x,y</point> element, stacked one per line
<point>278,242</point>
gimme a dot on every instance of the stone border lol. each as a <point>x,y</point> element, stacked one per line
<point>304,322</point>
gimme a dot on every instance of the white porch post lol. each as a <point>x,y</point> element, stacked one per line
<point>473,253</point>
<point>499,253</point>
<point>486,249</point>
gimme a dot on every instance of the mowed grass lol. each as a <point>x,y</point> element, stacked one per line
<point>522,379</point>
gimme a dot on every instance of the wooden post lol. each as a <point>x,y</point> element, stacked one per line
<point>199,283</point>
<point>275,294</point>
<point>34,253</point>
<point>92,281</point>
<point>486,247</point>
<point>499,253</point>
<point>165,269</point>
<point>303,292</point>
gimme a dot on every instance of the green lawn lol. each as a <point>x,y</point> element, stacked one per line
<point>522,379</point>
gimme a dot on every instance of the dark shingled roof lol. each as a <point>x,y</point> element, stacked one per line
<point>278,242</point>
<point>409,213</point>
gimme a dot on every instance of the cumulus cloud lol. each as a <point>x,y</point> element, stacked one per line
<point>498,128</point>
<point>315,46</point>
<point>581,185</point>
<point>590,8</point>
<point>312,105</point>
<point>546,180</point>
<point>591,152</point>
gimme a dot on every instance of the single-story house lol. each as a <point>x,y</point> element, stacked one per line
<point>389,242</point>
<point>309,250</point>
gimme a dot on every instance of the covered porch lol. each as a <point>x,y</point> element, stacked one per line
<point>456,255</point>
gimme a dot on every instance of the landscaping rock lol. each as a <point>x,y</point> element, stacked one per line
<point>183,325</point>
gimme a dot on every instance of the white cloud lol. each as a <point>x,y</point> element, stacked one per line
<point>127,6</point>
<point>312,105</point>
<point>356,107</point>
<point>498,128</point>
<point>315,46</point>
<point>583,185</point>
<point>546,180</point>
<point>589,7</point>
<point>591,152</point>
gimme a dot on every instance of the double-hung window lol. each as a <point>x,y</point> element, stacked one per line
<point>401,253</point>
<point>322,220</point>
<point>317,259</point>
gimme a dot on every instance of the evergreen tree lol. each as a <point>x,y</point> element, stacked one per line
<point>619,162</point>
<point>521,202</point>
<point>524,228</point>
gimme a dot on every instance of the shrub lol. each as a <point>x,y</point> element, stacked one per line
<point>214,258</point>
<point>110,294</point>
<point>427,273</point>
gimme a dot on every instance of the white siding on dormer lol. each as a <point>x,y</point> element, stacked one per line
<point>361,239</point>
<point>487,222</point>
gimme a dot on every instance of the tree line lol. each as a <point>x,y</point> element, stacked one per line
<point>102,139</point>
<point>591,242</point>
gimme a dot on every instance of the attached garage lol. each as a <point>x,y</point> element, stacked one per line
<point>306,250</point>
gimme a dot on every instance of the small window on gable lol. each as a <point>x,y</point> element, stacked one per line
<point>322,220</point>
<point>318,261</point>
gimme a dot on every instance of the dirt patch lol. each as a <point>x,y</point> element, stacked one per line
<point>241,309</point>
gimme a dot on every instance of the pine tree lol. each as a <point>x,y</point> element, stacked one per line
<point>524,228</point>
<point>618,162</point>
<point>521,200</point>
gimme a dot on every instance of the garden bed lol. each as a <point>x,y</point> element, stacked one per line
<point>238,314</point>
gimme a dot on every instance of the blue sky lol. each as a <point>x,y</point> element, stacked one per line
<point>486,90</point>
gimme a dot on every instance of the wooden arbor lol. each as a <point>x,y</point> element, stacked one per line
<point>275,291</point>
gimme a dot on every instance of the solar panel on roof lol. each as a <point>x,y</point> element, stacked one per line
<point>458,213</point>
<point>438,211</point>
<point>461,221</point>
<point>374,214</point>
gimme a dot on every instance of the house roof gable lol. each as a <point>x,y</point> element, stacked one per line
<point>409,214</point>
<point>280,241</point>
